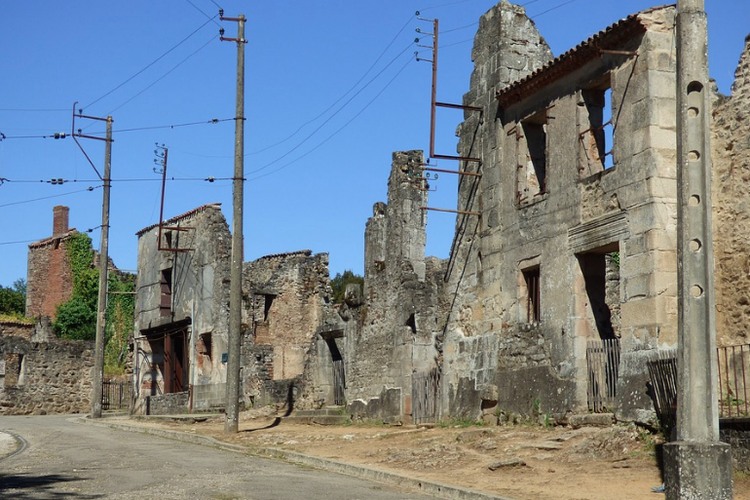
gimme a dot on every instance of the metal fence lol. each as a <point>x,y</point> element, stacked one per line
<point>116,395</point>
<point>662,371</point>
<point>603,365</point>
<point>734,369</point>
<point>425,389</point>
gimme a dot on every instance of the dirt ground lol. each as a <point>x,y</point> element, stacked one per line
<point>529,461</point>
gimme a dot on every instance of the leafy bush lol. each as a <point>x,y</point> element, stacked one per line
<point>339,282</point>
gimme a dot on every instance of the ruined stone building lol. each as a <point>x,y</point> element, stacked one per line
<point>561,283</point>
<point>576,237</point>
<point>182,317</point>
<point>562,278</point>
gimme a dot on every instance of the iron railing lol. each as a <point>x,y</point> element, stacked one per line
<point>734,369</point>
<point>116,395</point>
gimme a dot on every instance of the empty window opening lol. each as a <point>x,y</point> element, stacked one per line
<point>204,345</point>
<point>412,324</point>
<point>532,157</point>
<point>268,302</point>
<point>165,304</point>
<point>168,239</point>
<point>531,280</point>
<point>596,137</point>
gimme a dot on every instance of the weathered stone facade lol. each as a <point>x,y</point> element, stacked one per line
<point>391,333</point>
<point>530,273</point>
<point>182,311</point>
<point>285,301</point>
<point>49,279</point>
<point>731,203</point>
<point>182,318</point>
<point>41,374</point>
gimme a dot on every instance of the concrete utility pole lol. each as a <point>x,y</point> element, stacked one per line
<point>697,465</point>
<point>96,397</point>
<point>235,286</point>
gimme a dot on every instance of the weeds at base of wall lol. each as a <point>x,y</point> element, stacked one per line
<point>460,423</point>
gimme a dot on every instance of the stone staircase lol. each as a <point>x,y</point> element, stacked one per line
<point>330,415</point>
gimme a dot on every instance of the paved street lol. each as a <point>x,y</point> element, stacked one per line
<point>61,459</point>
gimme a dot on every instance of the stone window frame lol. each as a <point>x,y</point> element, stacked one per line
<point>532,157</point>
<point>529,290</point>
<point>596,138</point>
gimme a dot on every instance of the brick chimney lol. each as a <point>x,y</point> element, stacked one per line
<point>60,220</point>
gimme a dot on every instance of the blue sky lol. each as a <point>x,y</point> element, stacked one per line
<point>332,89</point>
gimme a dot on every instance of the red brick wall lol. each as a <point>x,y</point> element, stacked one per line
<point>49,280</point>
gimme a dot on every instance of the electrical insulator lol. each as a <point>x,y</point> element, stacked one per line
<point>59,135</point>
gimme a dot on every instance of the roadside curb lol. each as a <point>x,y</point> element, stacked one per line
<point>440,490</point>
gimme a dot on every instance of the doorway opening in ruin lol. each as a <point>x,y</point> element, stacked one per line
<point>337,381</point>
<point>600,270</point>
<point>169,356</point>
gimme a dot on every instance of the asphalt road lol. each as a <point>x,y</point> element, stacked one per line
<point>53,457</point>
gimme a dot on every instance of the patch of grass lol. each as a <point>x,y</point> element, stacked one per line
<point>460,422</point>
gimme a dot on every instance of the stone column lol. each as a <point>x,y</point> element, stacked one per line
<point>697,465</point>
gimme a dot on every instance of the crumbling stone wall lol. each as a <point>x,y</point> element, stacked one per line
<point>41,374</point>
<point>286,297</point>
<point>397,324</point>
<point>731,207</point>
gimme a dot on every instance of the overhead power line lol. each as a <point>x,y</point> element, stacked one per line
<point>213,37</point>
<point>338,130</point>
<point>149,64</point>
<point>90,188</point>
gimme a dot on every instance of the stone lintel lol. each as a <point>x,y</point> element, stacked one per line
<point>599,232</point>
<point>698,471</point>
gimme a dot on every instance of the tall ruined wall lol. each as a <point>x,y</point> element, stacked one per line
<point>507,47</point>
<point>396,327</point>
<point>731,207</point>
<point>285,296</point>
<point>43,377</point>
<point>185,289</point>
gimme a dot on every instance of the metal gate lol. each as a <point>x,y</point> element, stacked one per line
<point>116,395</point>
<point>425,388</point>
<point>339,383</point>
<point>603,364</point>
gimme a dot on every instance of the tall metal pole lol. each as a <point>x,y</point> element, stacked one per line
<point>235,286</point>
<point>697,465</point>
<point>96,396</point>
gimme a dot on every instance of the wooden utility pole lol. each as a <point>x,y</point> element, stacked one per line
<point>96,397</point>
<point>697,465</point>
<point>231,423</point>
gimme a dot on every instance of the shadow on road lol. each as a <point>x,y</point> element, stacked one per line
<point>28,487</point>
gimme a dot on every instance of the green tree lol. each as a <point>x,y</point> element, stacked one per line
<point>13,299</point>
<point>339,282</point>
